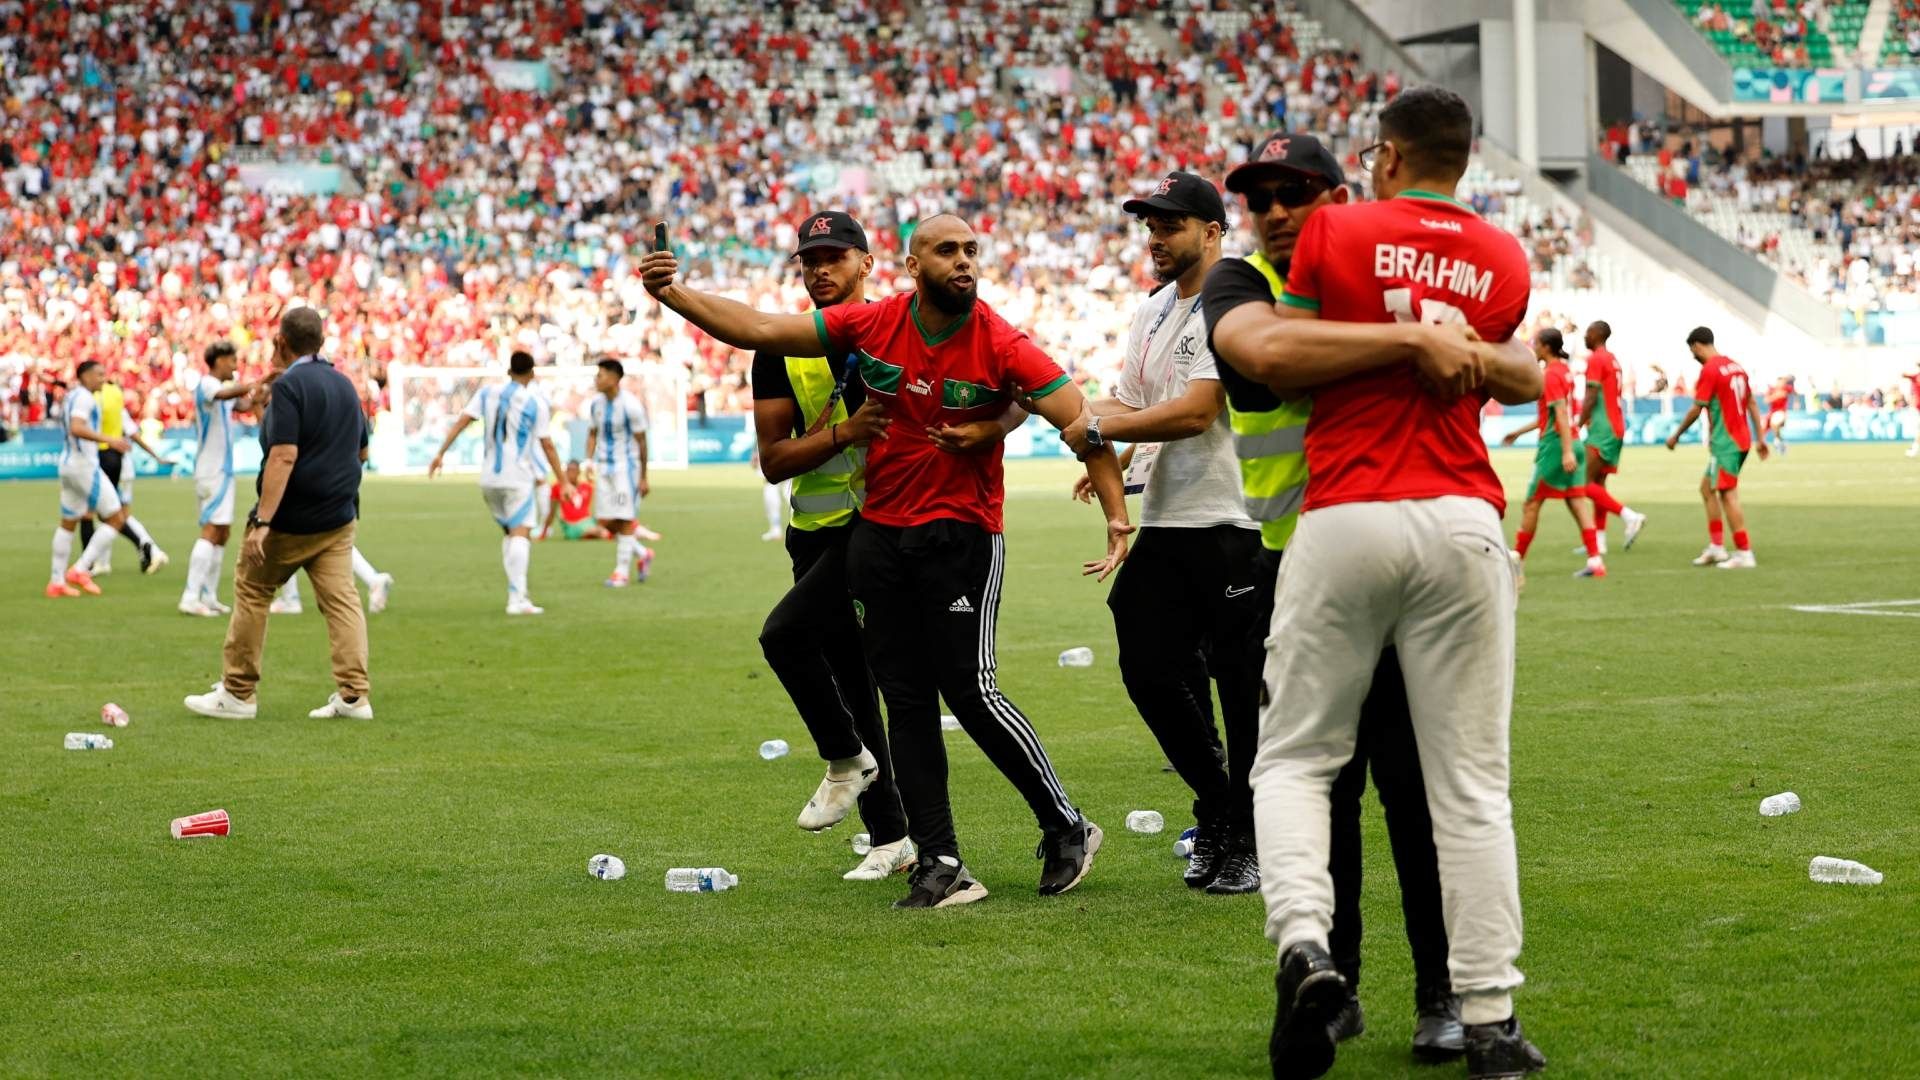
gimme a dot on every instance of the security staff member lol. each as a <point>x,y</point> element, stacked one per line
<point>810,639</point>
<point>1185,602</point>
<point>114,424</point>
<point>1287,178</point>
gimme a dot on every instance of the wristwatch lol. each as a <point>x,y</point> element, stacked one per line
<point>1094,438</point>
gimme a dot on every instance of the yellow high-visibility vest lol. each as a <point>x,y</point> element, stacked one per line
<point>829,493</point>
<point>1272,448</point>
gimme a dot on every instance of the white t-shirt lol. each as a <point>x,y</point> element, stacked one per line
<point>213,421</point>
<point>1196,482</point>
<point>617,422</point>
<point>79,456</point>
<point>513,419</point>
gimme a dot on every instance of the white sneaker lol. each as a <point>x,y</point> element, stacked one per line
<point>884,861</point>
<point>221,705</point>
<point>1740,560</point>
<point>284,607</point>
<point>195,607</point>
<point>335,706</point>
<point>102,568</point>
<point>158,561</point>
<point>524,607</point>
<point>377,596</point>
<point>214,605</point>
<point>1634,522</point>
<point>1712,555</point>
<point>1520,569</point>
<point>772,534</point>
<point>833,800</point>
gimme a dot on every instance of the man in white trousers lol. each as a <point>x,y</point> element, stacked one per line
<point>1399,544</point>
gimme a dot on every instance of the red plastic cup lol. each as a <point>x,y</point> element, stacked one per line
<point>211,823</point>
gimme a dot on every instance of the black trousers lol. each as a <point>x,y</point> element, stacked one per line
<point>1386,740</point>
<point>1183,604</point>
<point>928,598</point>
<point>813,645</point>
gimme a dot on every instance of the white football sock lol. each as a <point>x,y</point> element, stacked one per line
<point>137,531</point>
<point>771,497</point>
<point>197,571</point>
<point>290,592</point>
<point>623,554</point>
<point>216,561</point>
<point>62,553</point>
<point>519,553</point>
<point>102,542</point>
<point>363,570</point>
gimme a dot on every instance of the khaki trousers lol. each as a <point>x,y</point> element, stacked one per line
<point>1431,578</point>
<point>328,560</point>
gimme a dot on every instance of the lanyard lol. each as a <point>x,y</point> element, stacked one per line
<point>1146,348</point>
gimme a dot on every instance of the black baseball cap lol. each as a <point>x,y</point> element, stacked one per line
<point>1289,153</point>
<point>831,228</point>
<point>1182,193</point>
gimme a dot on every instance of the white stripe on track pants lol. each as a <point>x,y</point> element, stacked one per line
<point>1432,577</point>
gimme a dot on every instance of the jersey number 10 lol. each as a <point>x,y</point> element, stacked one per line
<point>1432,312</point>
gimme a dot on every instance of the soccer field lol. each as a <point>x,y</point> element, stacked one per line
<point>408,896</point>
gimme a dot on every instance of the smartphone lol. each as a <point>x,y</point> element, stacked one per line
<point>660,236</point>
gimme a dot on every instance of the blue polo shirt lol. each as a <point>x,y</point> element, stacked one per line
<point>316,409</point>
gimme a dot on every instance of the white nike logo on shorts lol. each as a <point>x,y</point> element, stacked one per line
<point>1233,592</point>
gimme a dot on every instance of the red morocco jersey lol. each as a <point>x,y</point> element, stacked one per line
<point>968,371</point>
<point>1377,436</point>
<point>1604,369</point>
<point>1723,390</point>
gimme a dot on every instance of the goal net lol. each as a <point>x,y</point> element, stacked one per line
<point>424,403</point>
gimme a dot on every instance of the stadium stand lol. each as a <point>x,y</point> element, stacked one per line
<point>1780,33</point>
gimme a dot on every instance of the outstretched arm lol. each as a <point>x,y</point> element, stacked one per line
<point>1693,414</point>
<point>1291,349</point>
<point>460,425</point>
<point>1513,436</point>
<point>729,320</point>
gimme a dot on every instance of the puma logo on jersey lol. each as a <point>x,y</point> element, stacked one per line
<point>920,386</point>
<point>1449,226</point>
<point>963,605</point>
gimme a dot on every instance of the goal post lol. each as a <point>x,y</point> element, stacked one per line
<point>424,402</point>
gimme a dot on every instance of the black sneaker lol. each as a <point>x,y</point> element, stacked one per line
<point>1068,855</point>
<point>1309,993</point>
<point>941,882</point>
<point>1437,1032</point>
<point>1500,1052</point>
<point>1209,851</point>
<point>146,558</point>
<point>1239,871</point>
<point>1351,1022</point>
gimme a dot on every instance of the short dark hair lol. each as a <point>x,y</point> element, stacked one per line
<point>1601,327</point>
<point>1700,336</point>
<point>1433,129</point>
<point>85,366</point>
<point>217,350</point>
<point>303,330</point>
<point>619,371</point>
<point>520,363</point>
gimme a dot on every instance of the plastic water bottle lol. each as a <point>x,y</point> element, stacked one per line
<point>702,879</point>
<point>1832,871</point>
<point>773,748</point>
<point>862,843</point>
<point>1183,847</point>
<point>607,867</point>
<point>1080,657</point>
<point>88,740</point>
<point>949,723</point>
<point>1777,805</point>
<point>1146,821</point>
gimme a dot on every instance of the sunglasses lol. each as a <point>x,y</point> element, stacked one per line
<point>1290,194</point>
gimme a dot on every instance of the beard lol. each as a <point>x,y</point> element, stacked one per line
<point>1181,263</point>
<point>949,300</point>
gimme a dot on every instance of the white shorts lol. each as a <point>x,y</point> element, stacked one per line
<point>215,495</point>
<point>616,498</point>
<point>82,493</point>
<point>512,507</point>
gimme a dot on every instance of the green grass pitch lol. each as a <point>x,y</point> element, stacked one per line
<point>409,896</point>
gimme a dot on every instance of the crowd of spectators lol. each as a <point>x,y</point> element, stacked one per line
<point>1779,33</point>
<point>499,163</point>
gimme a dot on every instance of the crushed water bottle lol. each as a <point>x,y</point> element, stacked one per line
<point>862,843</point>
<point>607,867</point>
<point>773,748</point>
<point>1080,657</point>
<point>88,740</point>
<point>1146,821</point>
<point>701,879</point>
<point>1183,847</point>
<point>1777,805</point>
<point>1832,871</point>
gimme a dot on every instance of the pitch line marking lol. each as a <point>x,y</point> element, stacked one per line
<point>1864,607</point>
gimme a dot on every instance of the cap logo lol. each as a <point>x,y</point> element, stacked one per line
<point>1275,148</point>
<point>820,227</point>
<point>1165,186</point>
